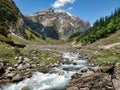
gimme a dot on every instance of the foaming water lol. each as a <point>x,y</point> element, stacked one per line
<point>56,78</point>
<point>40,81</point>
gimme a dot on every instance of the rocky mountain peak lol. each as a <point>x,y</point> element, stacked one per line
<point>63,22</point>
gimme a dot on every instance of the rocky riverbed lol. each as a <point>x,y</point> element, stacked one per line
<point>25,67</point>
<point>56,77</point>
<point>99,80</point>
<point>36,58</point>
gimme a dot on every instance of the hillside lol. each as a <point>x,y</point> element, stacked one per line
<point>11,20</point>
<point>102,28</point>
<point>101,43</point>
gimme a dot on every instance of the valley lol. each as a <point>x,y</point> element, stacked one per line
<point>52,49</point>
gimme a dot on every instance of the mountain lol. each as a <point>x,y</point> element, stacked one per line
<point>56,24</point>
<point>17,28</point>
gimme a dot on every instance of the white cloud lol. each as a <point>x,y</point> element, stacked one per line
<point>60,3</point>
<point>70,8</point>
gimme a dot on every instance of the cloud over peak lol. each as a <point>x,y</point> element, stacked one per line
<point>60,3</point>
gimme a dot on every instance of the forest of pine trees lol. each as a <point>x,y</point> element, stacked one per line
<point>101,28</point>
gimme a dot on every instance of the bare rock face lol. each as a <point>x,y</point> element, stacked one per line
<point>62,22</point>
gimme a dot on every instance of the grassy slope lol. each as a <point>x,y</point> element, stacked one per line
<point>33,39</point>
<point>113,38</point>
<point>7,52</point>
<point>109,55</point>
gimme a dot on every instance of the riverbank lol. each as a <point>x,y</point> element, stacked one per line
<point>33,58</point>
<point>100,79</point>
<point>57,77</point>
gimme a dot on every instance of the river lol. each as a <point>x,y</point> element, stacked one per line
<point>56,78</point>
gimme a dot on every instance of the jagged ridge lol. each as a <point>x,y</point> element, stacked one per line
<point>61,22</point>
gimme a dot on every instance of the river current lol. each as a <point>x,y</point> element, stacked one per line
<point>56,78</point>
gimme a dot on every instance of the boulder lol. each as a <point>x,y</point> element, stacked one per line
<point>83,70</point>
<point>74,63</point>
<point>34,58</point>
<point>21,58</point>
<point>10,68</point>
<point>2,70</point>
<point>1,64</point>
<point>28,65</point>
<point>10,75</point>
<point>26,60</point>
<point>95,81</point>
<point>16,65</point>
<point>77,75</point>
<point>16,58</point>
<point>25,88</point>
<point>20,67</point>
<point>17,78</point>
<point>33,65</point>
<point>20,61</point>
<point>61,73</point>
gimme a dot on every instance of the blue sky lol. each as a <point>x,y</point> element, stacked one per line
<point>88,10</point>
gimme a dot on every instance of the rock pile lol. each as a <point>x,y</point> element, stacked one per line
<point>23,68</point>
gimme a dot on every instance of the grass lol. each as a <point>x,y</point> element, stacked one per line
<point>102,57</point>
<point>18,40</point>
<point>33,39</point>
<point>55,42</point>
<point>110,55</point>
<point>7,53</point>
<point>107,56</point>
<point>113,38</point>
